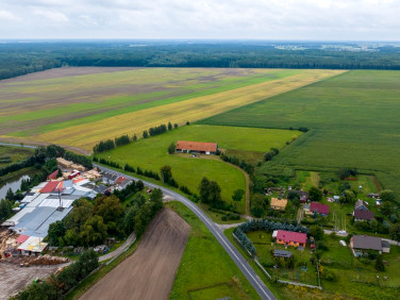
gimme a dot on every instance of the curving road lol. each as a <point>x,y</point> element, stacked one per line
<point>239,260</point>
<point>237,257</point>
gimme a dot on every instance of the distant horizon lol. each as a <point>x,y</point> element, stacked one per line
<point>192,40</point>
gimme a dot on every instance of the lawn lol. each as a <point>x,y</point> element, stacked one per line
<point>264,244</point>
<point>151,154</point>
<point>353,122</point>
<point>358,278</point>
<point>80,110</point>
<point>206,271</point>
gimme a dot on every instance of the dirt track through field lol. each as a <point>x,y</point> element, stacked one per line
<point>150,272</point>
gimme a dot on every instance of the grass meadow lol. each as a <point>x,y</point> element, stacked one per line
<point>80,110</point>
<point>353,121</point>
<point>152,154</point>
<point>206,271</point>
<point>14,154</point>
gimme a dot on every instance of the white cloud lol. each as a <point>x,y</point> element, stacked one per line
<point>7,16</point>
<point>220,19</point>
<point>51,15</point>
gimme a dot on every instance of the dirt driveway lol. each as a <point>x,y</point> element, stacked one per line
<point>150,272</point>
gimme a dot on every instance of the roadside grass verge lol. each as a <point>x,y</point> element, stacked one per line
<point>205,264</point>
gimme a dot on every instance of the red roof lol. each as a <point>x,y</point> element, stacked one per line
<point>22,238</point>
<point>49,187</point>
<point>290,236</point>
<point>120,180</point>
<point>319,208</point>
<point>53,175</point>
<point>196,146</point>
<point>364,215</point>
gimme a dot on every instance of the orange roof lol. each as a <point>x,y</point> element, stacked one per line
<point>196,146</point>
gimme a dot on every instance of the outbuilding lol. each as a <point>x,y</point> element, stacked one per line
<point>198,147</point>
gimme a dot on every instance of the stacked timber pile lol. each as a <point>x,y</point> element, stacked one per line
<point>49,260</point>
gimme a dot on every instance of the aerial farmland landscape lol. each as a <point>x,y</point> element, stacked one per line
<point>199,150</point>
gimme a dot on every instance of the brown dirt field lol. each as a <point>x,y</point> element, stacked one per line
<point>66,72</point>
<point>13,278</point>
<point>150,272</point>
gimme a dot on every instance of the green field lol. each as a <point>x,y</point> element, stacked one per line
<point>353,121</point>
<point>151,154</point>
<point>206,271</point>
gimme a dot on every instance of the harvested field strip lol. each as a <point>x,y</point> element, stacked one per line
<point>92,88</point>
<point>105,107</point>
<point>125,104</point>
<point>149,273</point>
<point>85,136</point>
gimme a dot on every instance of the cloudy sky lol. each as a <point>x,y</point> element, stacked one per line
<point>371,20</point>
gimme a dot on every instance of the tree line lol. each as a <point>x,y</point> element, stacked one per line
<point>57,286</point>
<point>110,144</point>
<point>22,58</point>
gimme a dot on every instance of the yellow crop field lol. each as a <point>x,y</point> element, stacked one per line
<point>85,136</point>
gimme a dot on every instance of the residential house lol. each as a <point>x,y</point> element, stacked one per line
<point>363,215</point>
<point>361,244</point>
<point>303,195</point>
<point>361,205</point>
<point>321,209</point>
<point>290,238</point>
<point>278,204</point>
<point>198,147</point>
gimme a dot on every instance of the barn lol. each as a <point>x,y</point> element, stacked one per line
<point>196,147</point>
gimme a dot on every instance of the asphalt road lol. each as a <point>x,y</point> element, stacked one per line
<point>237,257</point>
<point>239,260</point>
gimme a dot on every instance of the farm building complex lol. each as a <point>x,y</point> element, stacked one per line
<point>197,147</point>
<point>52,201</point>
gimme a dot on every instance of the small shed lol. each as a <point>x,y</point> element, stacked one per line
<point>282,253</point>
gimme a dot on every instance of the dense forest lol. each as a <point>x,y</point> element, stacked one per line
<point>19,58</point>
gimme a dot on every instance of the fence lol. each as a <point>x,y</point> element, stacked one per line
<point>279,280</point>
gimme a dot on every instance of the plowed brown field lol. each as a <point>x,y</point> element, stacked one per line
<point>150,272</point>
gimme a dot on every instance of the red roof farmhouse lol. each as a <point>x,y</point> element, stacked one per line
<point>205,148</point>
